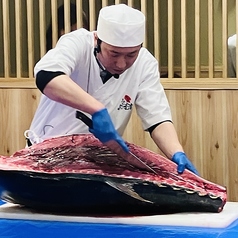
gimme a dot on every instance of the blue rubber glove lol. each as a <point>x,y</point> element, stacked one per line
<point>183,163</point>
<point>104,129</point>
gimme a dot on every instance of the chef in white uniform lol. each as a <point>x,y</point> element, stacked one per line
<point>105,74</point>
<point>231,57</point>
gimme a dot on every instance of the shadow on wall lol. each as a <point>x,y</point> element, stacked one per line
<point>61,26</point>
<point>166,76</point>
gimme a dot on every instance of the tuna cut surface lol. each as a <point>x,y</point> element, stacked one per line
<point>77,173</point>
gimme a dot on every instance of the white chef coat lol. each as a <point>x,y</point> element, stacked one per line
<point>139,86</point>
<point>231,57</point>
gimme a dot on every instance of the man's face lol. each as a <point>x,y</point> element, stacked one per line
<point>117,59</point>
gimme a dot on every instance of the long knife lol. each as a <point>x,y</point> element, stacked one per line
<point>116,148</point>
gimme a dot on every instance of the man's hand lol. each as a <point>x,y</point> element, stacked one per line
<point>183,163</point>
<point>104,129</point>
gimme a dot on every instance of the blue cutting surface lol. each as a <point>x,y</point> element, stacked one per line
<point>30,229</point>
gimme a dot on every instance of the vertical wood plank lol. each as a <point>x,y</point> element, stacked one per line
<point>104,3</point>
<point>79,10</point>
<point>215,152</point>
<point>130,3</point>
<point>6,38</point>
<point>232,143</point>
<point>144,10</point>
<point>183,40</point>
<point>210,40</point>
<point>224,38</point>
<point>67,25</point>
<point>42,27</point>
<point>197,39</point>
<point>237,35</point>
<point>156,30</point>
<point>92,14</point>
<point>18,22</point>
<point>170,39</point>
<point>30,37</point>
<point>54,20</point>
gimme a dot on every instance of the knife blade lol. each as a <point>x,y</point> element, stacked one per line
<point>116,148</point>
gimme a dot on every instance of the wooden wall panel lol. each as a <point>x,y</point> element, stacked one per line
<point>17,107</point>
<point>206,122</point>
<point>231,149</point>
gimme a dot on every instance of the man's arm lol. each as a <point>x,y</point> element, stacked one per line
<point>165,137</point>
<point>64,90</point>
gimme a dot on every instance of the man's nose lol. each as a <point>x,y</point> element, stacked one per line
<point>121,63</point>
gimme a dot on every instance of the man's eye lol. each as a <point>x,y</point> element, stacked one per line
<point>114,55</point>
<point>131,56</point>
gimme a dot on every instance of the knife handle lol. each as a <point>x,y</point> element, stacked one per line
<point>84,119</point>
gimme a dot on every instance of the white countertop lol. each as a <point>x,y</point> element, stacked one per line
<point>211,220</point>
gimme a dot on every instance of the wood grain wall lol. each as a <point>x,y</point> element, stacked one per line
<point>206,121</point>
<point>17,108</point>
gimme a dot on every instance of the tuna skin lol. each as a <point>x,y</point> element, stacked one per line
<point>85,155</point>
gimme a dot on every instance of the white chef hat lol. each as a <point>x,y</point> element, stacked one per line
<point>121,25</point>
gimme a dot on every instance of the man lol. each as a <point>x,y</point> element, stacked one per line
<point>231,57</point>
<point>104,74</point>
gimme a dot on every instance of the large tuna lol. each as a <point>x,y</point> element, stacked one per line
<point>77,173</point>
